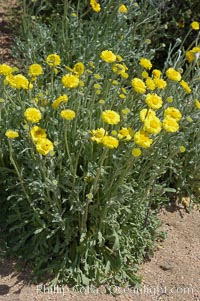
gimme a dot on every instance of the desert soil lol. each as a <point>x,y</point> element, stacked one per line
<point>173,273</point>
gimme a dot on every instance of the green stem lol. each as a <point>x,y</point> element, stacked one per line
<point>101,161</point>
<point>18,172</point>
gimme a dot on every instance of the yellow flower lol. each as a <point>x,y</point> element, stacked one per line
<point>160,83</point>
<point>59,100</point>
<point>79,68</point>
<point>115,82</point>
<point>119,69</point>
<point>185,86</point>
<point>53,60</point>
<point>170,124</point>
<point>33,115</point>
<point>170,99</point>
<point>150,84</point>
<point>122,96</point>
<point>156,73</point>
<point>189,119</point>
<point>95,6</point>
<point>195,25</point>
<point>97,86</point>
<point>147,113</point>
<point>98,134</point>
<point>138,85</point>
<point>145,74</point>
<point>108,56</point>
<point>182,149</point>
<point>192,54</point>
<point>110,142</point>
<point>142,139</point>
<point>148,41</point>
<point>146,63</point>
<point>110,117</point>
<point>37,133</point>
<point>97,76</point>
<point>152,125</point>
<point>44,146</point>
<point>70,81</point>
<point>136,152</point>
<point>68,114</point>
<point>124,134</point>
<point>173,113</point>
<point>114,133</point>
<point>5,69</point>
<point>126,111</point>
<point>154,101</point>
<point>173,74</point>
<point>123,9</point>
<point>11,134</point>
<point>18,82</point>
<point>197,103</point>
<point>35,70</point>
<point>119,58</point>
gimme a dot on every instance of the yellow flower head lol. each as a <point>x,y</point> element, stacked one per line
<point>170,124</point>
<point>110,142</point>
<point>33,115</point>
<point>195,25</point>
<point>110,117</point>
<point>53,60</point>
<point>124,134</point>
<point>185,86</point>
<point>160,83</point>
<point>156,73</point>
<point>44,146</point>
<point>146,63</point>
<point>145,74</point>
<point>79,68</point>
<point>197,103</point>
<point>98,134</point>
<point>11,134</point>
<point>97,76</point>
<point>70,81</point>
<point>153,101</point>
<point>173,113</point>
<point>192,54</point>
<point>95,6</point>
<point>126,111</point>
<point>108,56</point>
<point>136,152</point>
<point>5,69</point>
<point>152,125</point>
<point>35,70</point>
<point>59,100</point>
<point>18,82</point>
<point>123,9</point>
<point>68,114</point>
<point>37,133</point>
<point>97,86</point>
<point>173,74</point>
<point>150,84</point>
<point>170,99</point>
<point>142,139</point>
<point>138,85</point>
<point>147,113</point>
<point>119,68</point>
<point>182,149</point>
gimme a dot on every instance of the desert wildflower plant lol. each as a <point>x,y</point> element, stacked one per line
<point>91,140</point>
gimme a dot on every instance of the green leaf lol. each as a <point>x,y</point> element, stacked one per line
<point>169,189</point>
